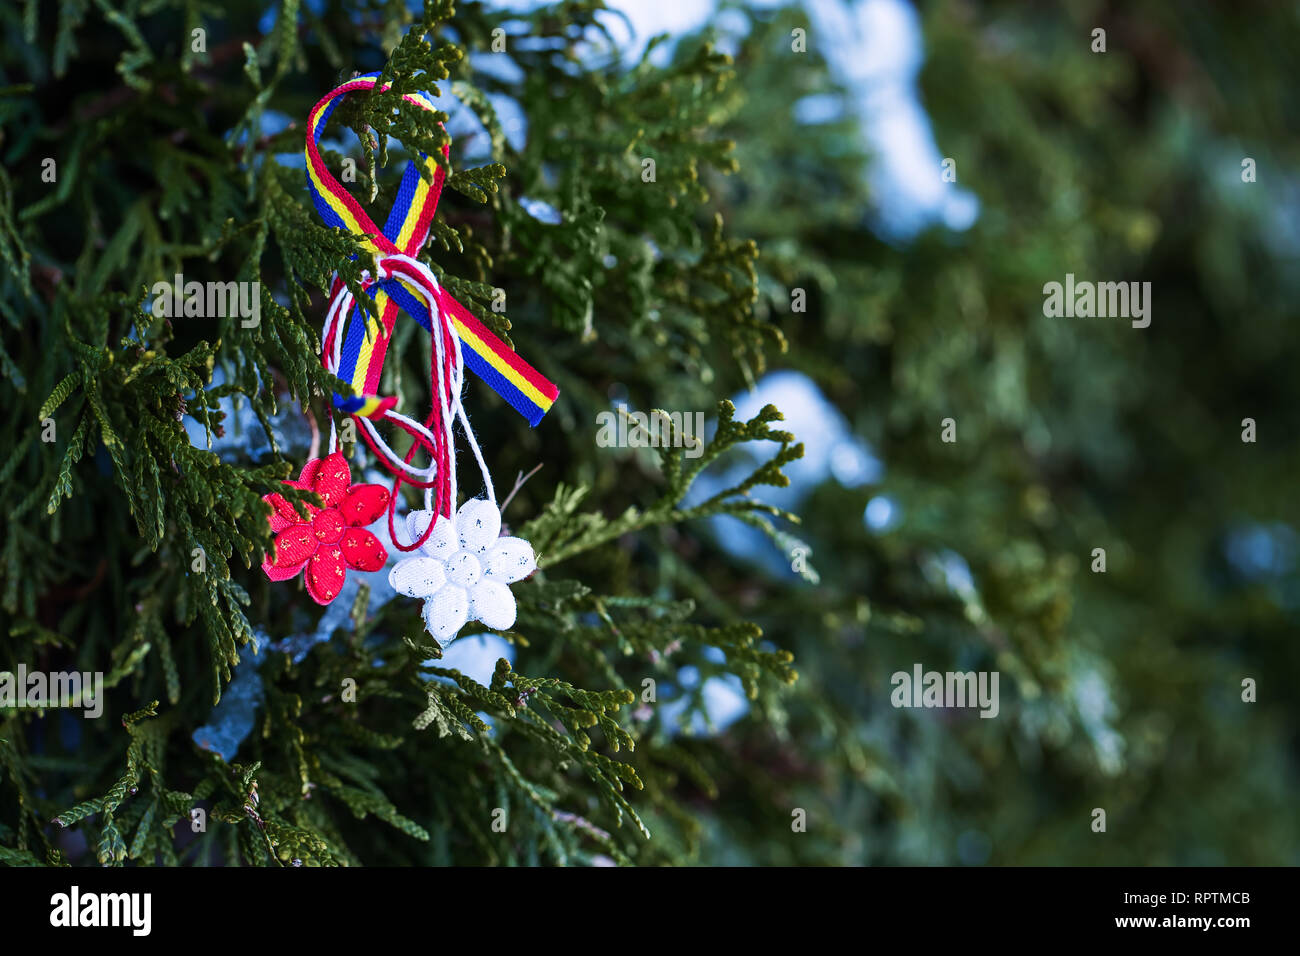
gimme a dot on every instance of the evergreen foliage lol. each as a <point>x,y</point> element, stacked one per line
<point>132,551</point>
<point>128,548</point>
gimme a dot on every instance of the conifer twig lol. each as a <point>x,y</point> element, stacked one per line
<point>519,483</point>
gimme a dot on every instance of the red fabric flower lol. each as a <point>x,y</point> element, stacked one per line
<point>332,538</point>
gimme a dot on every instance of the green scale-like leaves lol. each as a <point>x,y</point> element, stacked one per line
<point>132,550</point>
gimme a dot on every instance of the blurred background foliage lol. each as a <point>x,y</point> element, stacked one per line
<point>1120,690</point>
<point>799,246</point>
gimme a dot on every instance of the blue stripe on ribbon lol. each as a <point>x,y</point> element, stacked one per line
<point>503,387</point>
<point>402,204</point>
<point>517,400</point>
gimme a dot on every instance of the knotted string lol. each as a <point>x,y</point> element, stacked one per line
<point>354,350</point>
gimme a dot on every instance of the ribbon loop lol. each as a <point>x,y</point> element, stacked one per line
<point>359,359</point>
<point>354,343</point>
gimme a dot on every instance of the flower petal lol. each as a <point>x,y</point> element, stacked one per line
<point>288,509</point>
<point>446,612</point>
<point>417,577</point>
<point>492,603</point>
<point>362,550</point>
<point>325,574</point>
<point>478,523</point>
<point>442,543</point>
<point>510,560</point>
<point>416,522</point>
<point>282,514</point>
<point>307,476</point>
<point>277,573</point>
<point>332,479</point>
<point>364,504</point>
<point>294,545</point>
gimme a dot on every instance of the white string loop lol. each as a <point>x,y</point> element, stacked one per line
<point>426,286</point>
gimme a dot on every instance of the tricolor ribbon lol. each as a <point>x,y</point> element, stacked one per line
<point>361,358</point>
<point>354,350</point>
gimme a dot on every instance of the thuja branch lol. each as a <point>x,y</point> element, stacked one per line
<point>560,532</point>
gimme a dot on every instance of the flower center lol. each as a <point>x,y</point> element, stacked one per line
<point>464,570</point>
<point>328,525</point>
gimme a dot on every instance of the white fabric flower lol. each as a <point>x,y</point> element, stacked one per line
<point>462,570</point>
